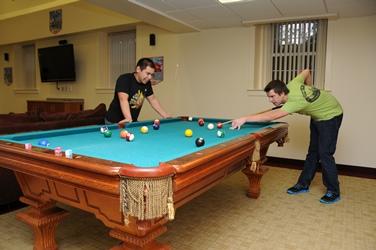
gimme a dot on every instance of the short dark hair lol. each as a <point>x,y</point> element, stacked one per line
<point>145,62</point>
<point>278,86</point>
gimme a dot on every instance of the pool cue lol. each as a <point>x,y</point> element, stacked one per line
<point>223,123</point>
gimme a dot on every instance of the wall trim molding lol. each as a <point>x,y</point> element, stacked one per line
<point>356,171</point>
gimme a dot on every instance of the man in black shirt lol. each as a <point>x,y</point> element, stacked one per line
<point>130,91</point>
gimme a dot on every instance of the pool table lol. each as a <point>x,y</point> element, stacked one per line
<point>133,187</point>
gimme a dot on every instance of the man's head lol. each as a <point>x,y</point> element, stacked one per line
<point>144,70</point>
<point>277,92</point>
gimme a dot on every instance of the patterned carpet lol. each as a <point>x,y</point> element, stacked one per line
<point>224,218</point>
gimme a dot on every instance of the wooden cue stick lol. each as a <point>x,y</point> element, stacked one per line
<point>223,123</point>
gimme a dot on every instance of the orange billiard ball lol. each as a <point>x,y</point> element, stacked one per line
<point>123,133</point>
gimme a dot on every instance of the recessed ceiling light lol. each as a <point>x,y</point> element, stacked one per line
<point>233,1</point>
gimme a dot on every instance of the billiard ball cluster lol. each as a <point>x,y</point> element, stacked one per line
<point>201,122</point>
<point>156,125</point>
<point>126,135</point>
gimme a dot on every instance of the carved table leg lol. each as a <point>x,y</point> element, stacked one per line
<point>131,242</point>
<point>254,178</point>
<point>254,170</point>
<point>43,218</point>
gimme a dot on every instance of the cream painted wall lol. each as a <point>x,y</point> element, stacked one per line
<point>350,76</point>
<point>216,73</point>
<point>90,70</point>
<point>168,91</point>
<point>77,17</point>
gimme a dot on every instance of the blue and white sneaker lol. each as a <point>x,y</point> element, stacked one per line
<point>297,189</point>
<point>330,197</point>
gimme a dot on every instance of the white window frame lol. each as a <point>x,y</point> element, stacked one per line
<point>25,69</point>
<point>117,56</point>
<point>263,64</point>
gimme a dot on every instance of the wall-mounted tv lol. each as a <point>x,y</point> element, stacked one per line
<point>56,63</point>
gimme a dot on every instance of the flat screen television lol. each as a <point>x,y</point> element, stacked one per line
<point>56,63</point>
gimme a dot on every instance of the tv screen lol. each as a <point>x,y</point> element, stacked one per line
<point>56,63</point>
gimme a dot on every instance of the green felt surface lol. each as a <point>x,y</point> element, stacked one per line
<point>147,150</point>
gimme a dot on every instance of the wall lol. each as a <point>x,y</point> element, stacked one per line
<point>168,91</point>
<point>90,53</point>
<point>350,76</point>
<point>77,17</point>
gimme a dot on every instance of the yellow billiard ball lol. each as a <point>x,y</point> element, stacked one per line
<point>144,129</point>
<point>188,132</point>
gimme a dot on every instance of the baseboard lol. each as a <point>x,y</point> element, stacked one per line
<point>357,171</point>
<point>9,207</point>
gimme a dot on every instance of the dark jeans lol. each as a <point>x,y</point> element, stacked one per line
<point>321,149</point>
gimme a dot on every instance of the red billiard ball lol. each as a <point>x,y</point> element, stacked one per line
<point>219,125</point>
<point>201,122</point>
<point>200,142</point>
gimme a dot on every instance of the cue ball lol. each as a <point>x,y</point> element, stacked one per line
<point>103,129</point>
<point>144,129</point>
<point>210,126</point>
<point>188,132</point>
<point>200,142</point>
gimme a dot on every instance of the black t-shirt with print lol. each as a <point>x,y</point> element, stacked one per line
<point>136,91</point>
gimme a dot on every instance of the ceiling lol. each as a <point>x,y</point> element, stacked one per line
<point>190,15</point>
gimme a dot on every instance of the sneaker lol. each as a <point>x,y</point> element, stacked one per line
<point>330,198</point>
<point>297,189</point>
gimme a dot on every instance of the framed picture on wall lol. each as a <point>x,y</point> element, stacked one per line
<point>8,77</point>
<point>158,74</point>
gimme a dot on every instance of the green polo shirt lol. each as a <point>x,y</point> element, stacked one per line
<point>308,100</point>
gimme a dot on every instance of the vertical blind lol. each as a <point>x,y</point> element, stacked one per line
<point>28,67</point>
<point>122,54</point>
<point>296,46</point>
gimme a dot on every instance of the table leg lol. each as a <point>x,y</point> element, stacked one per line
<point>43,218</point>
<point>132,242</point>
<point>254,178</point>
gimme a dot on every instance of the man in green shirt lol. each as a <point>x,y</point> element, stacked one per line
<point>299,96</point>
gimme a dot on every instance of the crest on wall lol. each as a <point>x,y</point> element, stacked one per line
<point>56,21</point>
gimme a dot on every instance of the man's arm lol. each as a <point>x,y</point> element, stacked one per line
<point>152,99</point>
<point>124,105</point>
<point>267,116</point>
<point>306,74</point>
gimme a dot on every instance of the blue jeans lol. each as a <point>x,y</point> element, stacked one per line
<point>322,146</point>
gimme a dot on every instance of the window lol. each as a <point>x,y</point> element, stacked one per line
<point>122,54</point>
<point>25,66</point>
<point>284,49</point>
